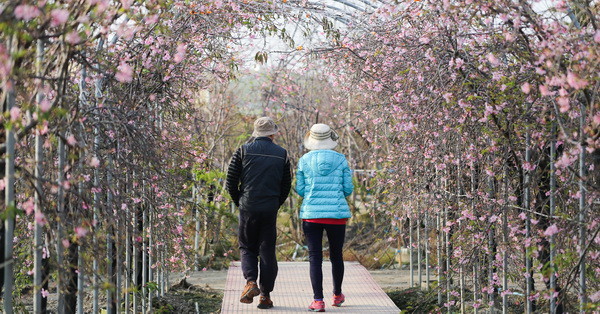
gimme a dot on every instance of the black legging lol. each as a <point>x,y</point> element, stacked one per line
<point>314,237</point>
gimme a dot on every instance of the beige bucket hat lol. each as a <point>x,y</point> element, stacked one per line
<point>320,136</point>
<point>264,126</point>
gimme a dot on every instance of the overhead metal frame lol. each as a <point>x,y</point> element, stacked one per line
<point>346,8</point>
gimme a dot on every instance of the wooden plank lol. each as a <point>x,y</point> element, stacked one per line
<point>293,292</point>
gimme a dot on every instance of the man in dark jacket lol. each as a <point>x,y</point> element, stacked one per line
<point>259,181</point>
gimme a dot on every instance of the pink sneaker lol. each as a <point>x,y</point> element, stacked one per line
<point>317,306</point>
<point>338,300</point>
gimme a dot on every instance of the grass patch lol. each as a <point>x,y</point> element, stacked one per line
<point>186,298</point>
<point>413,300</point>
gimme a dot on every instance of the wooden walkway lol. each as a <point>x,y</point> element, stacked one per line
<point>293,292</point>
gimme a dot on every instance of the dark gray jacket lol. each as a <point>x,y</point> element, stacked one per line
<point>259,176</point>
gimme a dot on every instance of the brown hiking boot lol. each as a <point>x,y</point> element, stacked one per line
<point>250,291</point>
<point>265,303</point>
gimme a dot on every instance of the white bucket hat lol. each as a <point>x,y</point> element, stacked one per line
<point>264,126</point>
<point>320,136</point>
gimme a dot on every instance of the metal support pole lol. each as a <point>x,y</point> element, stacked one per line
<point>136,268</point>
<point>583,223</point>
<point>526,205</point>
<point>410,250</point>
<point>109,238</point>
<point>95,267</point>
<point>59,228</point>
<point>552,209</point>
<point>163,285</point>
<point>80,280</point>
<point>9,223</point>
<point>144,259</point>
<point>80,250</point>
<point>38,231</point>
<point>491,246</point>
<point>439,258</point>
<point>127,261</point>
<point>197,233</point>
<point>427,250</point>
<point>150,261</point>
<point>419,257</point>
<point>448,258</point>
<point>475,251</point>
<point>506,244</point>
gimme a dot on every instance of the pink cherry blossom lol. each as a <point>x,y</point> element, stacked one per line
<point>15,113</point>
<point>125,73</point>
<point>80,232</point>
<point>126,4</point>
<point>575,81</point>
<point>28,206</point>
<point>552,230</point>
<point>563,103</point>
<point>44,293</point>
<point>545,91</point>
<point>71,140</point>
<point>40,218</point>
<point>493,59</point>
<point>181,48</point>
<point>45,105</point>
<point>152,19</point>
<point>526,88</point>
<point>565,160</point>
<point>95,162</point>
<point>596,296</point>
<point>27,12</point>
<point>59,17</point>
<point>529,166</point>
<point>73,38</point>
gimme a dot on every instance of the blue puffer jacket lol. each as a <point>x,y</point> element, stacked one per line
<point>324,180</point>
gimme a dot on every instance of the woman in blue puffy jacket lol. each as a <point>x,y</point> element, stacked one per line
<point>324,180</point>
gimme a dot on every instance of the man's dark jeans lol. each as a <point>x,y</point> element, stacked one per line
<point>314,237</point>
<point>257,237</point>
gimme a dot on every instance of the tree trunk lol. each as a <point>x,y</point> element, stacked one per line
<point>71,279</point>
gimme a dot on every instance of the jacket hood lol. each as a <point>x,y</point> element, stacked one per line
<point>327,161</point>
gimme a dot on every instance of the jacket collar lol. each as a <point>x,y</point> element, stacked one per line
<point>263,138</point>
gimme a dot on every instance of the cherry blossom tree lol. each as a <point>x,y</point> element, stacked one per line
<point>474,127</point>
